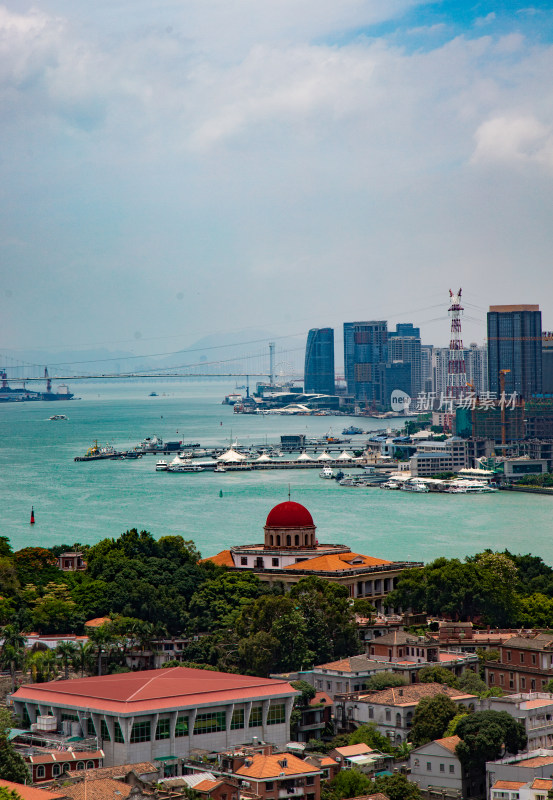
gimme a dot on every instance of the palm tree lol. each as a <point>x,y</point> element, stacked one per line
<point>101,639</point>
<point>82,656</point>
<point>66,653</point>
<point>12,654</point>
<point>43,665</point>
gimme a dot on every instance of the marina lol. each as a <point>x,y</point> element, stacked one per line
<point>79,502</point>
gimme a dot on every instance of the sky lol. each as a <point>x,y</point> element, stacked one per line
<point>175,169</point>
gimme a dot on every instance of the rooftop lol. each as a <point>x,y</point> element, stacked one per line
<point>450,743</point>
<point>513,785</point>
<point>129,693</point>
<point>411,694</point>
<point>354,750</point>
<point>272,766</point>
<point>30,793</point>
<point>98,789</point>
<point>62,756</point>
<point>289,515</point>
<point>338,562</point>
<point>353,664</point>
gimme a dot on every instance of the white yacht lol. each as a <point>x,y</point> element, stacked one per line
<point>161,466</point>
<point>414,485</point>
<point>326,472</point>
<point>184,468</point>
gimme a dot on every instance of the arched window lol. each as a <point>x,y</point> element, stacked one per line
<point>288,541</point>
<point>80,765</point>
<point>297,540</point>
<point>41,772</point>
<point>398,720</point>
<point>278,539</point>
<point>90,764</point>
<point>56,769</point>
<point>67,767</point>
<point>271,539</point>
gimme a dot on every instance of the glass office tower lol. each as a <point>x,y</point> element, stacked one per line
<point>515,344</point>
<point>319,361</point>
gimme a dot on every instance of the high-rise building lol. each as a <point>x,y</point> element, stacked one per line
<point>515,344</point>
<point>475,358</point>
<point>426,368</point>
<point>319,361</point>
<point>365,349</point>
<point>547,362</point>
<point>404,345</point>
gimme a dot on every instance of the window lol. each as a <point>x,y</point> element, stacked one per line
<point>244,561</point>
<point>237,720</point>
<point>40,772</point>
<point>523,683</point>
<point>310,780</point>
<point>508,655</point>
<point>320,684</point>
<point>56,769</point>
<point>256,717</point>
<point>275,562</point>
<point>501,679</point>
<point>67,767</point>
<point>104,731</point>
<point>388,715</point>
<point>492,677</point>
<point>80,765</point>
<point>522,658</point>
<point>90,729</point>
<point>71,717</point>
<point>371,712</point>
<point>428,766</point>
<point>452,769</point>
<point>163,729</point>
<point>442,767</point>
<point>140,732</point>
<point>117,733</point>
<point>269,786</point>
<point>533,658</point>
<point>90,764</point>
<point>276,715</point>
<point>532,685</point>
<point>210,723</point>
<point>181,728</point>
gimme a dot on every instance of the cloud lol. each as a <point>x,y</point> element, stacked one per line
<point>516,140</point>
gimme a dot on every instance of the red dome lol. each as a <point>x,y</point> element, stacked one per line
<point>289,515</point>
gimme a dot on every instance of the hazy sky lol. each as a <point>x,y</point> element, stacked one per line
<point>177,168</point>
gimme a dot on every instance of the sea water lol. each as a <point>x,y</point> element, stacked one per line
<point>88,501</point>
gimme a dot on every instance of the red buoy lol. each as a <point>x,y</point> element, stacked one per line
<point>32,515</point>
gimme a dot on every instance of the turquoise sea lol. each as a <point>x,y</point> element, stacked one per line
<point>85,502</point>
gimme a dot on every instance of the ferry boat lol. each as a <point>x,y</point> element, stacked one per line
<point>326,472</point>
<point>414,485</point>
<point>161,466</point>
<point>470,487</point>
<point>184,468</point>
<point>351,431</point>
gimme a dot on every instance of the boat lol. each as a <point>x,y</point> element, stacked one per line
<point>220,468</point>
<point>326,472</point>
<point>151,443</point>
<point>58,416</point>
<point>231,399</point>
<point>414,485</point>
<point>470,487</point>
<point>391,484</point>
<point>161,466</point>
<point>152,394</point>
<point>351,431</point>
<point>184,468</point>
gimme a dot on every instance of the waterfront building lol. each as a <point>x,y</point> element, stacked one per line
<point>291,551</point>
<point>319,361</point>
<point>163,714</point>
<point>404,345</point>
<point>515,344</point>
<point>433,457</point>
<point>393,377</point>
<point>365,348</point>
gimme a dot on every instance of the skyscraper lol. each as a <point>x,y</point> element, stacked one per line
<point>365,348</point>
<point>515,344</point>
<point>319,361</point>
<point>404,345</point>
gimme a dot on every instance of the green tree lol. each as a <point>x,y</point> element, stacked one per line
<point>12,654</point>
<point>431,718</point>
<point>12,765</point>
<point>369,735</point>
<point>397,787</point>
<point>437,674</point>
<point>42,665</point>
<point>348,783</point>
<point>487,736</point>
<point>472,683</point>
<point>9,794</point>
<point>451,729</point>
<point>384,680</point>
<point>66,653</point>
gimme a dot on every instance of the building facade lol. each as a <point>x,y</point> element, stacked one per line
<point>319,361</point>
<point>404,346</point>
<point>365,349</point>
<point>515,344</point>
<point>525,664</point>
<point>163,714</point>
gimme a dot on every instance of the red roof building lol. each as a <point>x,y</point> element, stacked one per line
<point>164,714</point>
<point>290,551</point>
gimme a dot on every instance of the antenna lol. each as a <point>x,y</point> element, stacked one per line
<point>288,491</point>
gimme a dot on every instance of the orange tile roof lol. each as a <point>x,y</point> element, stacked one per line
<point>206,786</point>
<point>133,692</point>
<point>411,694</point>
<point>97,790</point>
<point>537,761</point>
<point>222,559</point>
<point>354,750</point>
<point>30,792</point>
<point>264,767</point>
<point>450,742</point>
<point>338,562</point>
<point>537,703</point>
<point>120,771</point>
<point>60,756</point>
<point>542,783</point>
<point>508,784</point>
<point>327,761</point>
<point>321,697</point>
<point>97,622</point>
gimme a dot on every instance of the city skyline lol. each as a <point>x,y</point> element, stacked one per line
<point>179,169</point>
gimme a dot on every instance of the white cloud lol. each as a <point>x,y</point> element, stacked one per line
<point>517,140</point>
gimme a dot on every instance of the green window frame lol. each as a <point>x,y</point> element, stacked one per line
<point>141,732</point>
<point>118,733</point>
<point>69,717</point>
<point>181,728</point>
<point>104,731</point>
<point>256,717</point>
<point>237,720</point>
<point>163,729</point>
<point>90,727</point>
<point>276,715</point>
<point>210,723</point>
<point>25,718</point>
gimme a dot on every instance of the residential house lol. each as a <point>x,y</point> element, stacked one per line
<point>533,710</point>
<point>392,710</point>
<point>524,768</point>
<point>537,789</point>
<point>525,663</point>
<point>435,766</point>
<point>315,718</point>
<point>45,766</point>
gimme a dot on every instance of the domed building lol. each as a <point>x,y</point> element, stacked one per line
<point>291,551</point>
